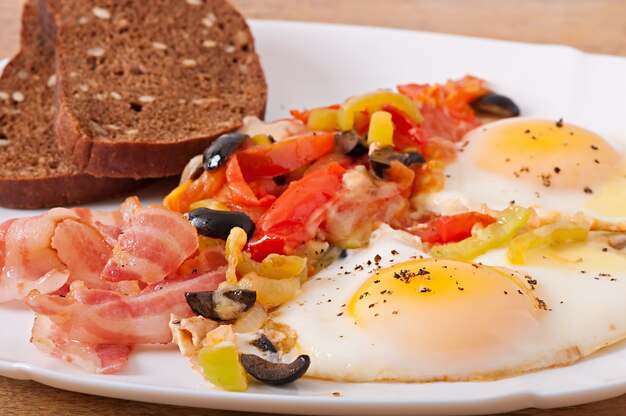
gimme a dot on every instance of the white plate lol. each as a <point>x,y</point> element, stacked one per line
<point>315,64</point>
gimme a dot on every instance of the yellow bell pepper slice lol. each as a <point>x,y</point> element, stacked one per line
<point>276,266</point>
<point>221,366</point>
<point>260,139</point>
<point>234,246</point>
<point>324,119</point>
<point>380,129</point>
<point>373,102</point>
<point>173,199</point>
<point>494,235</point>
<point>209,203</point>
<point>551,234</point>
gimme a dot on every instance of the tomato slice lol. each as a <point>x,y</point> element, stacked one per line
<point>402,175</point>
<point>296,215</point>
<point>282,157</point>
<point>241,194</point>
<point>407,134</point>
<point>446,107</point>
<point>452,228</point>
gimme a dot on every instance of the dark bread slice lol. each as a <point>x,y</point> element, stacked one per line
<point>146,85</point>
<point>34,172</point>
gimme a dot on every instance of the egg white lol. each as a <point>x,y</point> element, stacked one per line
<point>580,313</point>
<point>468,185</point>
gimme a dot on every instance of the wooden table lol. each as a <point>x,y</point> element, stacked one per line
<point>592,25</point>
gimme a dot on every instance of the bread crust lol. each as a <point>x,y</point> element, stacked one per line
<point>61,190</point>
<point>35,173</point>
<point>189,129</point>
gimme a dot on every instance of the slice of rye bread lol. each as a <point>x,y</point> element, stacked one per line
<point>146,85</point>
<point>34,172</point>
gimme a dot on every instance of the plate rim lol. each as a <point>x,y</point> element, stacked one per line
<point>326,404</point>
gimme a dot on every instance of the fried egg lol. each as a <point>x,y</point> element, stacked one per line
<point>390,312</point>
<point>548,165</point>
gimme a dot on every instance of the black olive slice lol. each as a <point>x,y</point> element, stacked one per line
<point>217,153</point>
<point>275,373</point>
<point>244,296</point>
<point>217,224</point>
<point>264,344</point>
<point>350,143</point>
<point>381,158</point>
<point>496,105</point>
<point>221,305</point>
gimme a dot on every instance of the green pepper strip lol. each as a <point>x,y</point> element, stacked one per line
<point>548,235</point>
<point>494,235</point>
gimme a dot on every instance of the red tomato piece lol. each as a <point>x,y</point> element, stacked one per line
<point>402,175</point>
<point>446,107</point>
<point>240,191</point>
<point>282,157</point>
<point>296,215</point>
<point>407,134</point>
<point>451,228</point>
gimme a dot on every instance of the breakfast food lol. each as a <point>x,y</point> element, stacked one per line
<point>35,172</point>
<point>550,165</point>
<point>416,318</point>
<point>143,86</point>
<point>329,245</point>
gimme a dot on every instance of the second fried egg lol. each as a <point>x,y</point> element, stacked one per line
<point>549,165</point>
<point>389,312</point>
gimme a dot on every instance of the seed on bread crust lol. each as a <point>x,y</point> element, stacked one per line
<point>146,99</point>
<point>52,81</point>
<point>190,63</point>
<point>160,46</point>
<point>116,95</point>
<point>209,43</point>
<point>209,20</point>
<point>97,52</point>
<point>101,13</point>
<point>18,97</point>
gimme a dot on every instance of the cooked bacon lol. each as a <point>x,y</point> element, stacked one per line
<point>82,249</point>
<point>110,223</point>
<point>3,231</point>
<point>98,358</point>
<point>51,282</point>
<point>153,245</point>
<point>106,317</point>
<point>85,253</point>
<point>210,256</point>
<point>29,260</point>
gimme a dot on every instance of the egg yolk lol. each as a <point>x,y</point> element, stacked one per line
<point>544,153</point>
<point>447,306</point>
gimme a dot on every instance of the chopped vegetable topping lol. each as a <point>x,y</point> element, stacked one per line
<point>551,234</point>
<point>509,223</point>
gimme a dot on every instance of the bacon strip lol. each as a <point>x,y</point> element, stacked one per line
<point>110,223</point>
<point>152,246</point>
<point>85,253</point>
<point>100,358</point>
<point>106,317</point>
<point>4,227</point>
<point>29,260</point>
